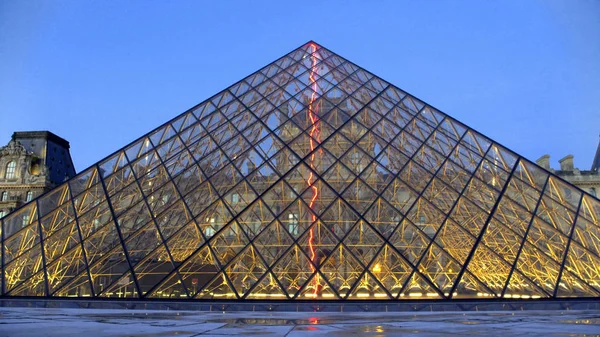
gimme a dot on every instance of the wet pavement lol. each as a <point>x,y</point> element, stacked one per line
<point>25,322</point>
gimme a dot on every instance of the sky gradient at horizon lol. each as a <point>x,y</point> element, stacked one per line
<point>101,74</point>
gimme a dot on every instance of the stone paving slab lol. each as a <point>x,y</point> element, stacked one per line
<point>25,322</point>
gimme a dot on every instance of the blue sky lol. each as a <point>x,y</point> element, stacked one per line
<point>103,73</point>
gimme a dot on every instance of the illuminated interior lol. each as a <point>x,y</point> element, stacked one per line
<point>309,179</point>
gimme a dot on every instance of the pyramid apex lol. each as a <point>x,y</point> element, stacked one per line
<point>312,43</point>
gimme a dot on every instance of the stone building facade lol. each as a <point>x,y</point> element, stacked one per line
<point>587,180</point>
<point>30,164</point>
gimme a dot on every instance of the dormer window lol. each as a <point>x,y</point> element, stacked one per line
<point>10,170</point>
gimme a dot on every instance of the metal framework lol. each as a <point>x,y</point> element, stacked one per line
<point>309,179</point>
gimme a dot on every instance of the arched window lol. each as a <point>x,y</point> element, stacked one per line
<point>29,196</point>
<point>4,196</point>
<point>2,214</point>
<point>10,170</point>
<point>593,191</point>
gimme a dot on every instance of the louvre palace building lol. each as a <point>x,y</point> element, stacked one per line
<point>311,179</point>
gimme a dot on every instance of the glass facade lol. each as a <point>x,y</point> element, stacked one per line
<point>309,179</point>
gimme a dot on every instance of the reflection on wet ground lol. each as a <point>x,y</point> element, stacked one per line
<point>142,323</point>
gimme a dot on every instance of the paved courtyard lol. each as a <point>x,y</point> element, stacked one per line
<point>27,322</point>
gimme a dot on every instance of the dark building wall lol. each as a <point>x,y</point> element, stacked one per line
<point>58,161</point>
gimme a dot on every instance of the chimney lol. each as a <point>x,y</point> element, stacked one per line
<point>566,164</point>
<point>544,161</point>
<point>596,162</point>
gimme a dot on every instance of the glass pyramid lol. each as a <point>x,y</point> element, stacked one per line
<point>309,179</point>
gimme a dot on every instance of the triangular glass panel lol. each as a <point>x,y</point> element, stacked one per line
<point>278,197</point>
<point>34,286</point>
<point>521,287</point>
<point>245,270</point>
<point>570,285</point>
<point>153,268</point>
<point>377,176</point>
<point>318,242</point>
<point>297,218</point>
<point>470,287</point>
<point>273,242</point>
<point>339,177</point>
<point>456,240</point>
<point>436,265</point>
<point>78,286</point>
<point>359,196</point>
<point>219,288</point>
<point>21,272</point>
<point>21,232</point>
<point>383,217</point>
<point>213,218</point>
<point>228,242</point>
<point>65,268</point>
<point>339,217</point>
<point>185,241</point>
<point>293,269</point>
<point>409,240</point>
<point>367,288</point>
<point>538,267</point>
<point>582,258</point>
<point>317,288</point>
<point>267,288</point>
<point>490,268</point>
<point>391,270</point>
<point>112,277</point>
<point>195,273</point>
<point>363,242</point>
<point>318,197</point>
<point>62,240</point>
<point>469,216</point>
<point>418,288</point>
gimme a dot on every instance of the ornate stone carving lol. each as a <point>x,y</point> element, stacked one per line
<point>13,148</point>
<point>15,151</point>
<point>41,178</point>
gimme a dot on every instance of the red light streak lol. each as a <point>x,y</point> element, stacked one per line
<point>314,134</point>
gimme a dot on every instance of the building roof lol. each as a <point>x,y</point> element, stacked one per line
<point>312,178</point>
<point>46,135</point>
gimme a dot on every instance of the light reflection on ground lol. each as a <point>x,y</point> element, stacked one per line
<point>142,323</point>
